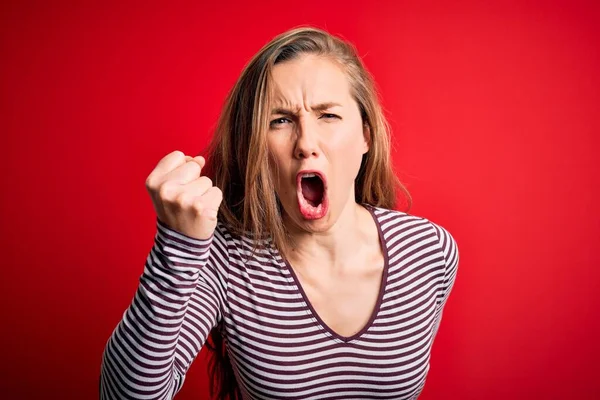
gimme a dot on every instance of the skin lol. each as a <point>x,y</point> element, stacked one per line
<point>337,258</point>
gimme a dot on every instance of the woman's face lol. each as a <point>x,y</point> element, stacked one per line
<point>316,140</point>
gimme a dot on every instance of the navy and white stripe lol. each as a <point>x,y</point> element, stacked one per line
<point>279,347</point>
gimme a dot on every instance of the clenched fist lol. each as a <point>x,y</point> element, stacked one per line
<point>184,200</point>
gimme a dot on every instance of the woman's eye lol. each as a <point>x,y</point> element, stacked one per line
<point>330,116</point>
<point>279,121</point>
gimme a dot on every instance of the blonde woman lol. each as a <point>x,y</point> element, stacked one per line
<point>285,249</point>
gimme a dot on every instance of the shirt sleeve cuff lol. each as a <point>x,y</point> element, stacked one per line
<point>180,242</point>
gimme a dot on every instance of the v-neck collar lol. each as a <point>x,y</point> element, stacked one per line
<point>382,287</point>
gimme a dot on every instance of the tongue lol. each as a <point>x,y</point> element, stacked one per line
<point>312,190</point>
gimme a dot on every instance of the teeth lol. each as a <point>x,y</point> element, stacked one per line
<point>308,175</point>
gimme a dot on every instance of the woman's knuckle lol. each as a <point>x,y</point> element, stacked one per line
<point>197,207</point>
<point>150,183</point>
<point>206,180</point>
<point>165,192</point>
<point>182,199</point>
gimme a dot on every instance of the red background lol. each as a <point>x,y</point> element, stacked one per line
<point>496,130</point>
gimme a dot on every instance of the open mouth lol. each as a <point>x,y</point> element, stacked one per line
<point>312,189</point>
<point>312,195</point>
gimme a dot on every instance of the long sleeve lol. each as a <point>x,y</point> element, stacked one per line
<point>451,258</point>
<point>180,298</point>
<point>449,250</point>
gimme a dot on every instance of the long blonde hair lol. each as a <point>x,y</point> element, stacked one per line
<point>238,155</point>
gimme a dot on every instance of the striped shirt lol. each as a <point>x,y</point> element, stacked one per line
<point>278,345</point>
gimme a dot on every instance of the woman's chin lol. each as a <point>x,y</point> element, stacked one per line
<point>313,223</point>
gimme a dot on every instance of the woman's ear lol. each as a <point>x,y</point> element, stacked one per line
<point>366,137</point>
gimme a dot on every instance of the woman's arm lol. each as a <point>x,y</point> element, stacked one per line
<point>451,257</point>
<point>180,298</point>
<point>449,251</point>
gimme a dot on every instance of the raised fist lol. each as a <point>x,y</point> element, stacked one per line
<point>184,200</point>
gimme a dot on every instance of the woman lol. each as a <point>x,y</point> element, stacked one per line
<point>290,254</point>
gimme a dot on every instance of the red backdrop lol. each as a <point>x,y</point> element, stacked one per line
<point>495,117</point>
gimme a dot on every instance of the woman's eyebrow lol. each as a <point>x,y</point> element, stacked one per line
<point>325,106</point>
<point>316,107</point>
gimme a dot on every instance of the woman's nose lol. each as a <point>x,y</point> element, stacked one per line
<point>306,140</point>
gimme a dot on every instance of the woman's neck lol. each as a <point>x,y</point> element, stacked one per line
<point>336,247</point>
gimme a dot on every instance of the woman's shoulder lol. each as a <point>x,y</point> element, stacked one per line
<point>404,232</point>
<point>399,221</point>
<point>390,217</point>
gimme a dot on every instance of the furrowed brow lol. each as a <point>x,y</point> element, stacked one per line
<point>283,111</point>
<point>316,107</point>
